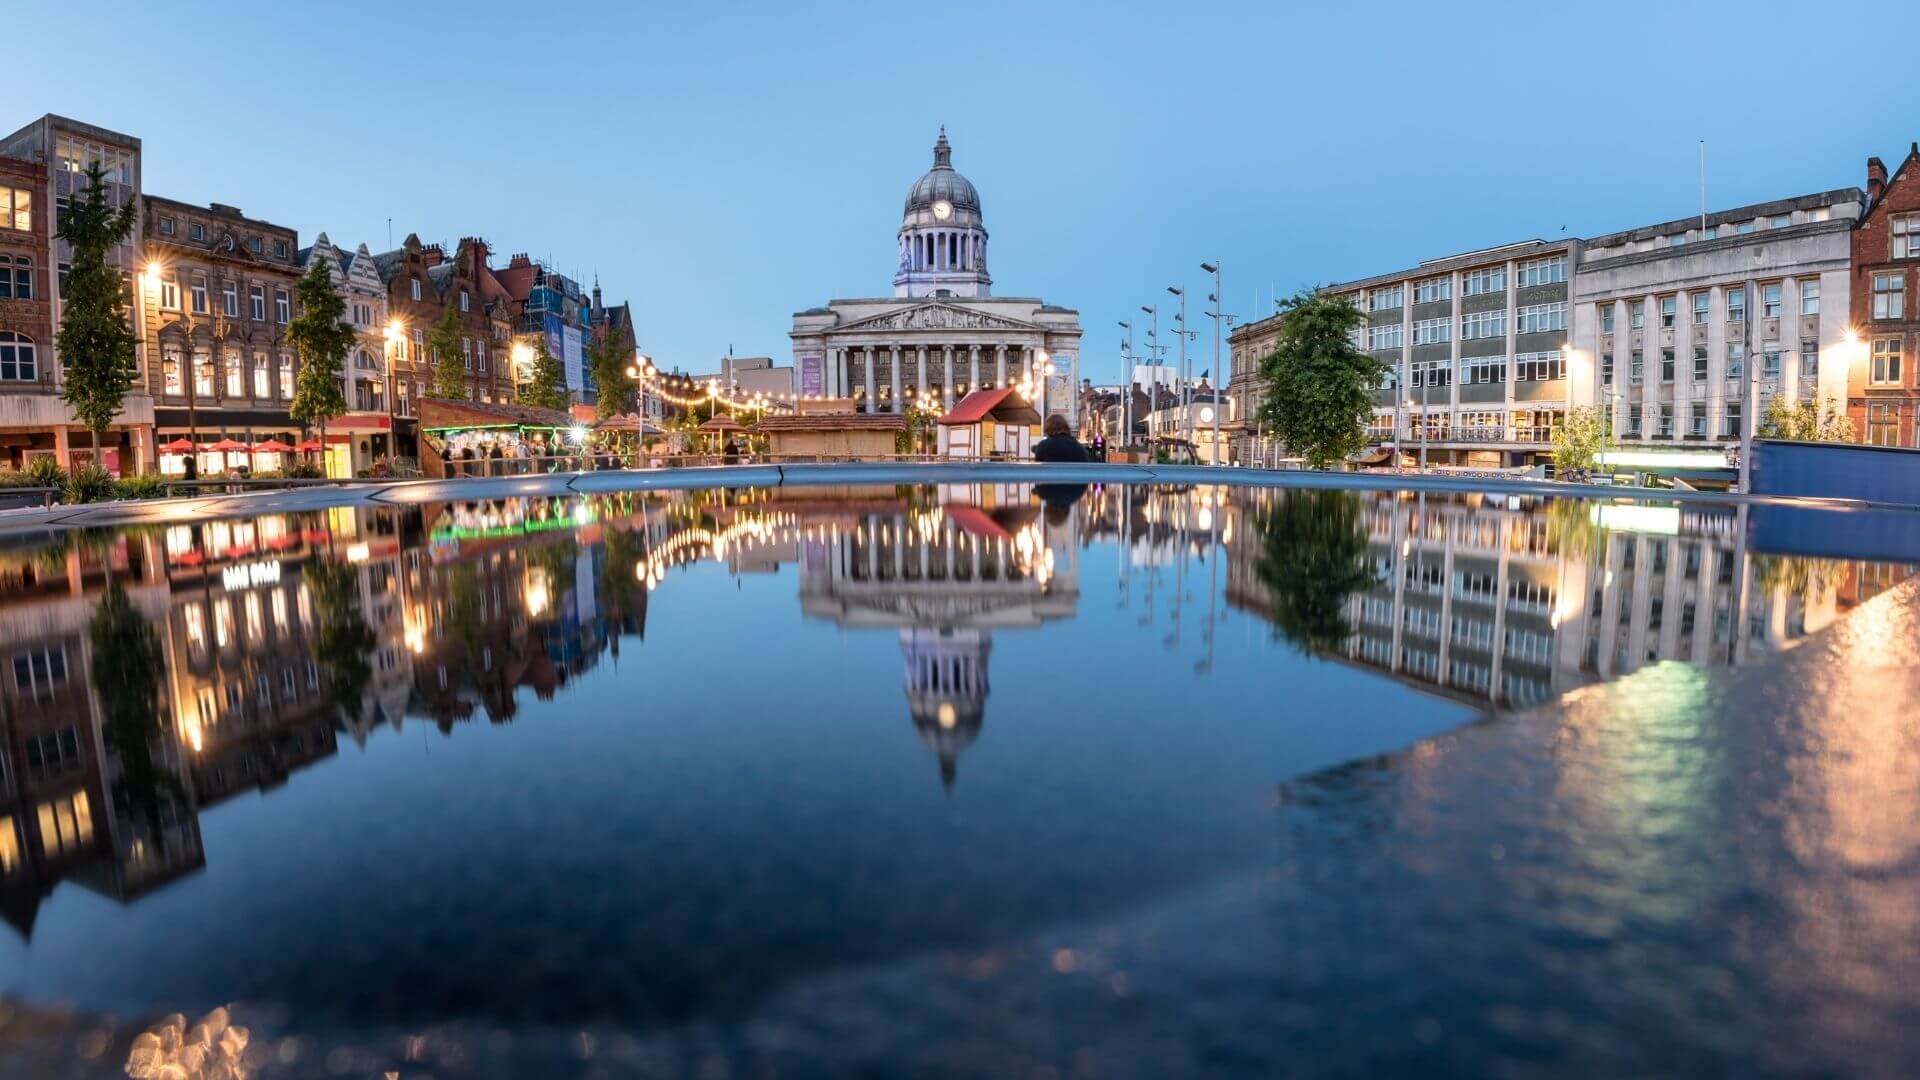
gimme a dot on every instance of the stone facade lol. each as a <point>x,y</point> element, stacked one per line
<point>366,430</point>
<point>1883,394</point>
<point>216,298</point>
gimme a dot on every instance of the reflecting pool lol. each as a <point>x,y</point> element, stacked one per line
<point>961,780</point>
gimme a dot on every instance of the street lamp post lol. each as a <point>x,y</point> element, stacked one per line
<point>1154,349</point>
<point>1218,318</point>
<point>1186,383</point>
<point>1126,387</point>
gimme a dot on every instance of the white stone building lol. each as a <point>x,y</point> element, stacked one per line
<point>942,333</point>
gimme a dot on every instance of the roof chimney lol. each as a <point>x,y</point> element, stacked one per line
<point>1876,179</point>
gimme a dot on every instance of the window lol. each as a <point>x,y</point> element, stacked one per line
<point>1540,366</point>
<point>1668,306</point>
<point>1666,365</point>
<point>1383,337</point>
<point>1432,331</point>
<point>1666,421</point>
<point>1770,362</point>
<point>166,226</point>
<point>1886,360</point>
<point>1889,296</point>
<point>230,299</point>
<point>257,303</point>
<point>1676,240</point>
<point>17,363</point>
<point>1636,366</point>
<point>1737,305</point>
<point>1699,363</point>
<point>1810,298</point>
<point>1637,314</point>
<point>280,248</point>
<point>463,299</point>
<point>419,345</point>
<point>202,373</point>
<point>255,245</point>
<point>1540,318</point>
<point>1770,301</point>
<point>1606,317</point>
<point>16,277</point>
<point>37,671</point>
<point>1697,421</point>
<point>1606,368</point>
<point>170,369</point>
<point>1431,373</point>
<point>262,377</point>
<point>197,231</point>
<point>1744,227</point>
<point>1485,280</point>
<point>1731,428</point>
<point>1483,324</point>
<point>1549,271</point>
<point>1483,369</point>
<point>466,353</point>
<point>415,284</point>
<point>1906,236</point>
<point>198,291</point>
<point>1809,358</point>
<point>1883,425</point>
<point>236,377</point>
<point>1700,300</point>
<point>282,307</point>
<point>1736,361</point>
<point>16,209</point>
<point>1780,221</point>
<point>1432,290</point>
<point>170,293</point>
<point>480,354</point>
<point>1633,419</point>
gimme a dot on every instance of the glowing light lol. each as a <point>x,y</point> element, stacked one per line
<point>358,553</point>
<point>1675,459</point>
<point>1661,520</point>
<point>578,434</point>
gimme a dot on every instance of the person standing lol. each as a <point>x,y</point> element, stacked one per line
<point>1059,444</point>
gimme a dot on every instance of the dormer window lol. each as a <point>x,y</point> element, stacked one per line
<point>280,248</point>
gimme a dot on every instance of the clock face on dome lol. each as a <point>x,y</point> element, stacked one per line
<point>942,210</point>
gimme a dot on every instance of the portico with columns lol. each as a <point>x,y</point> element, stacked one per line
<point>942,334</point>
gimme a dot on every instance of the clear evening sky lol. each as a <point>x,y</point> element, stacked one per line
<point>723,165</point>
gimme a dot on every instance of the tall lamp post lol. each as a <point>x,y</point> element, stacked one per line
<point>1218,318</point>
<point>1186,384</point>
<point>1154,349</point>
<point>1126,387</point>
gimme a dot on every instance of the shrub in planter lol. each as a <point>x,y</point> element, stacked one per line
<point>144,486</point>
<point>46,471</point>
<point>304,471</point>
<point>90,484</point>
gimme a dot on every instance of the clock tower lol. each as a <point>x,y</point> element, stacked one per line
<point>943,240</point>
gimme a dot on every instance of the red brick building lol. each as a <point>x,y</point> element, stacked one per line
<point>1883,394</point>
<point>26,303</point>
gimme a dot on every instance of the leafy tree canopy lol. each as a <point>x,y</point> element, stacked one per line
<point>322,337</point>
<point>1319,384</point>
<point>96,339</point>
<point>545,386</point>
<point>449,369</point>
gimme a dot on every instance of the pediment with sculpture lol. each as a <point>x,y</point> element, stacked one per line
<point>938,317</point>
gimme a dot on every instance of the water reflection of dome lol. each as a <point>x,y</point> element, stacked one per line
<point>946,689</point>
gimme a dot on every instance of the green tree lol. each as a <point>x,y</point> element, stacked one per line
<point>545,386</point>
<point>1320,385</point>
<point>449,370</point>
<point>607,358</point>
<point>322,337</point>
<point>1313,558</point>
<point>127,687</point>
<point>1805,420</point>
<point>1579,440</point>
<point>342,640</point>
<point>96,340</point>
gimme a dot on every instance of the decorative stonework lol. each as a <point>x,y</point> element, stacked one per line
<point>937,317</point>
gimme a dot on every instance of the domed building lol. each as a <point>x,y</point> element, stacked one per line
<point>942,334</point>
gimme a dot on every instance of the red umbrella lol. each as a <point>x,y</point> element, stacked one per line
<point>177,446</point>
<point>228,445</point>
<point>310,445</point>
<point>271,446</point>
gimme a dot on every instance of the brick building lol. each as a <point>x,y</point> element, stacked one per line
<point>1883,396</point>
<point>215,300</point>
<point>422,283</point>
<point>26,312</point>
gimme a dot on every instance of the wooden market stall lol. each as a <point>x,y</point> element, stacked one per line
<point>989,423</point>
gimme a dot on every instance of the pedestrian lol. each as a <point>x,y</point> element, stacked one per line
<point>733,451</point>
<point>446,459</point>
<point>1059,444</point>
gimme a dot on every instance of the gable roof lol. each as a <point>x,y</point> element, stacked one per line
<point>981,404</point>
<point>1913,154</point>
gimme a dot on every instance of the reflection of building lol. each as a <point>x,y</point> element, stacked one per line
<point>941,333</point>
<point>946,576</point>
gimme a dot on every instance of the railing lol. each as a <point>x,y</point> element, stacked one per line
<point>14,498</point>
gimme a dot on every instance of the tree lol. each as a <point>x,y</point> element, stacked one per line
<point>342,641</point>
<point>322,337</point>
<point>1319,393</point>
<point>1313,557</point>
<point>127,690</point>
<point>546,385</point>
<point>1805,420</point>
<point>96,340</point>
<point>607,358</point>
<point>1579,439</point>
<point>449,370</point>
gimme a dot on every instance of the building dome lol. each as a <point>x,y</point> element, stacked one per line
<point>941,183</point>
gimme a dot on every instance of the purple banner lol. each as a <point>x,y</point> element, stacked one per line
<point>813,376</point>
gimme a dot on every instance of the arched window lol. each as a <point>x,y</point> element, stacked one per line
<point>17,363</point>
<point>16,277</point>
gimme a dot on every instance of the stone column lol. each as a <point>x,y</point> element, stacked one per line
<point>973,375</point>
<point>999,367</point>
<point>871,400</point>
<point>894,352</point>
<point>946,386</point>
<point>920,369</point>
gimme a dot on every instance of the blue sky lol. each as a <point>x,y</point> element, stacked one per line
<point>724,165</point>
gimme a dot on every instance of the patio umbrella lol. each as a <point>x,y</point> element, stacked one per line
<point>177,446</point>
<point>230,446</point>
<point>309,446</point>
<point>722,422</point>
<point>271,446</point>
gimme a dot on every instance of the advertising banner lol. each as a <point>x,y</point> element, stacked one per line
<point>813,375</point>
<point>570,356</point>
